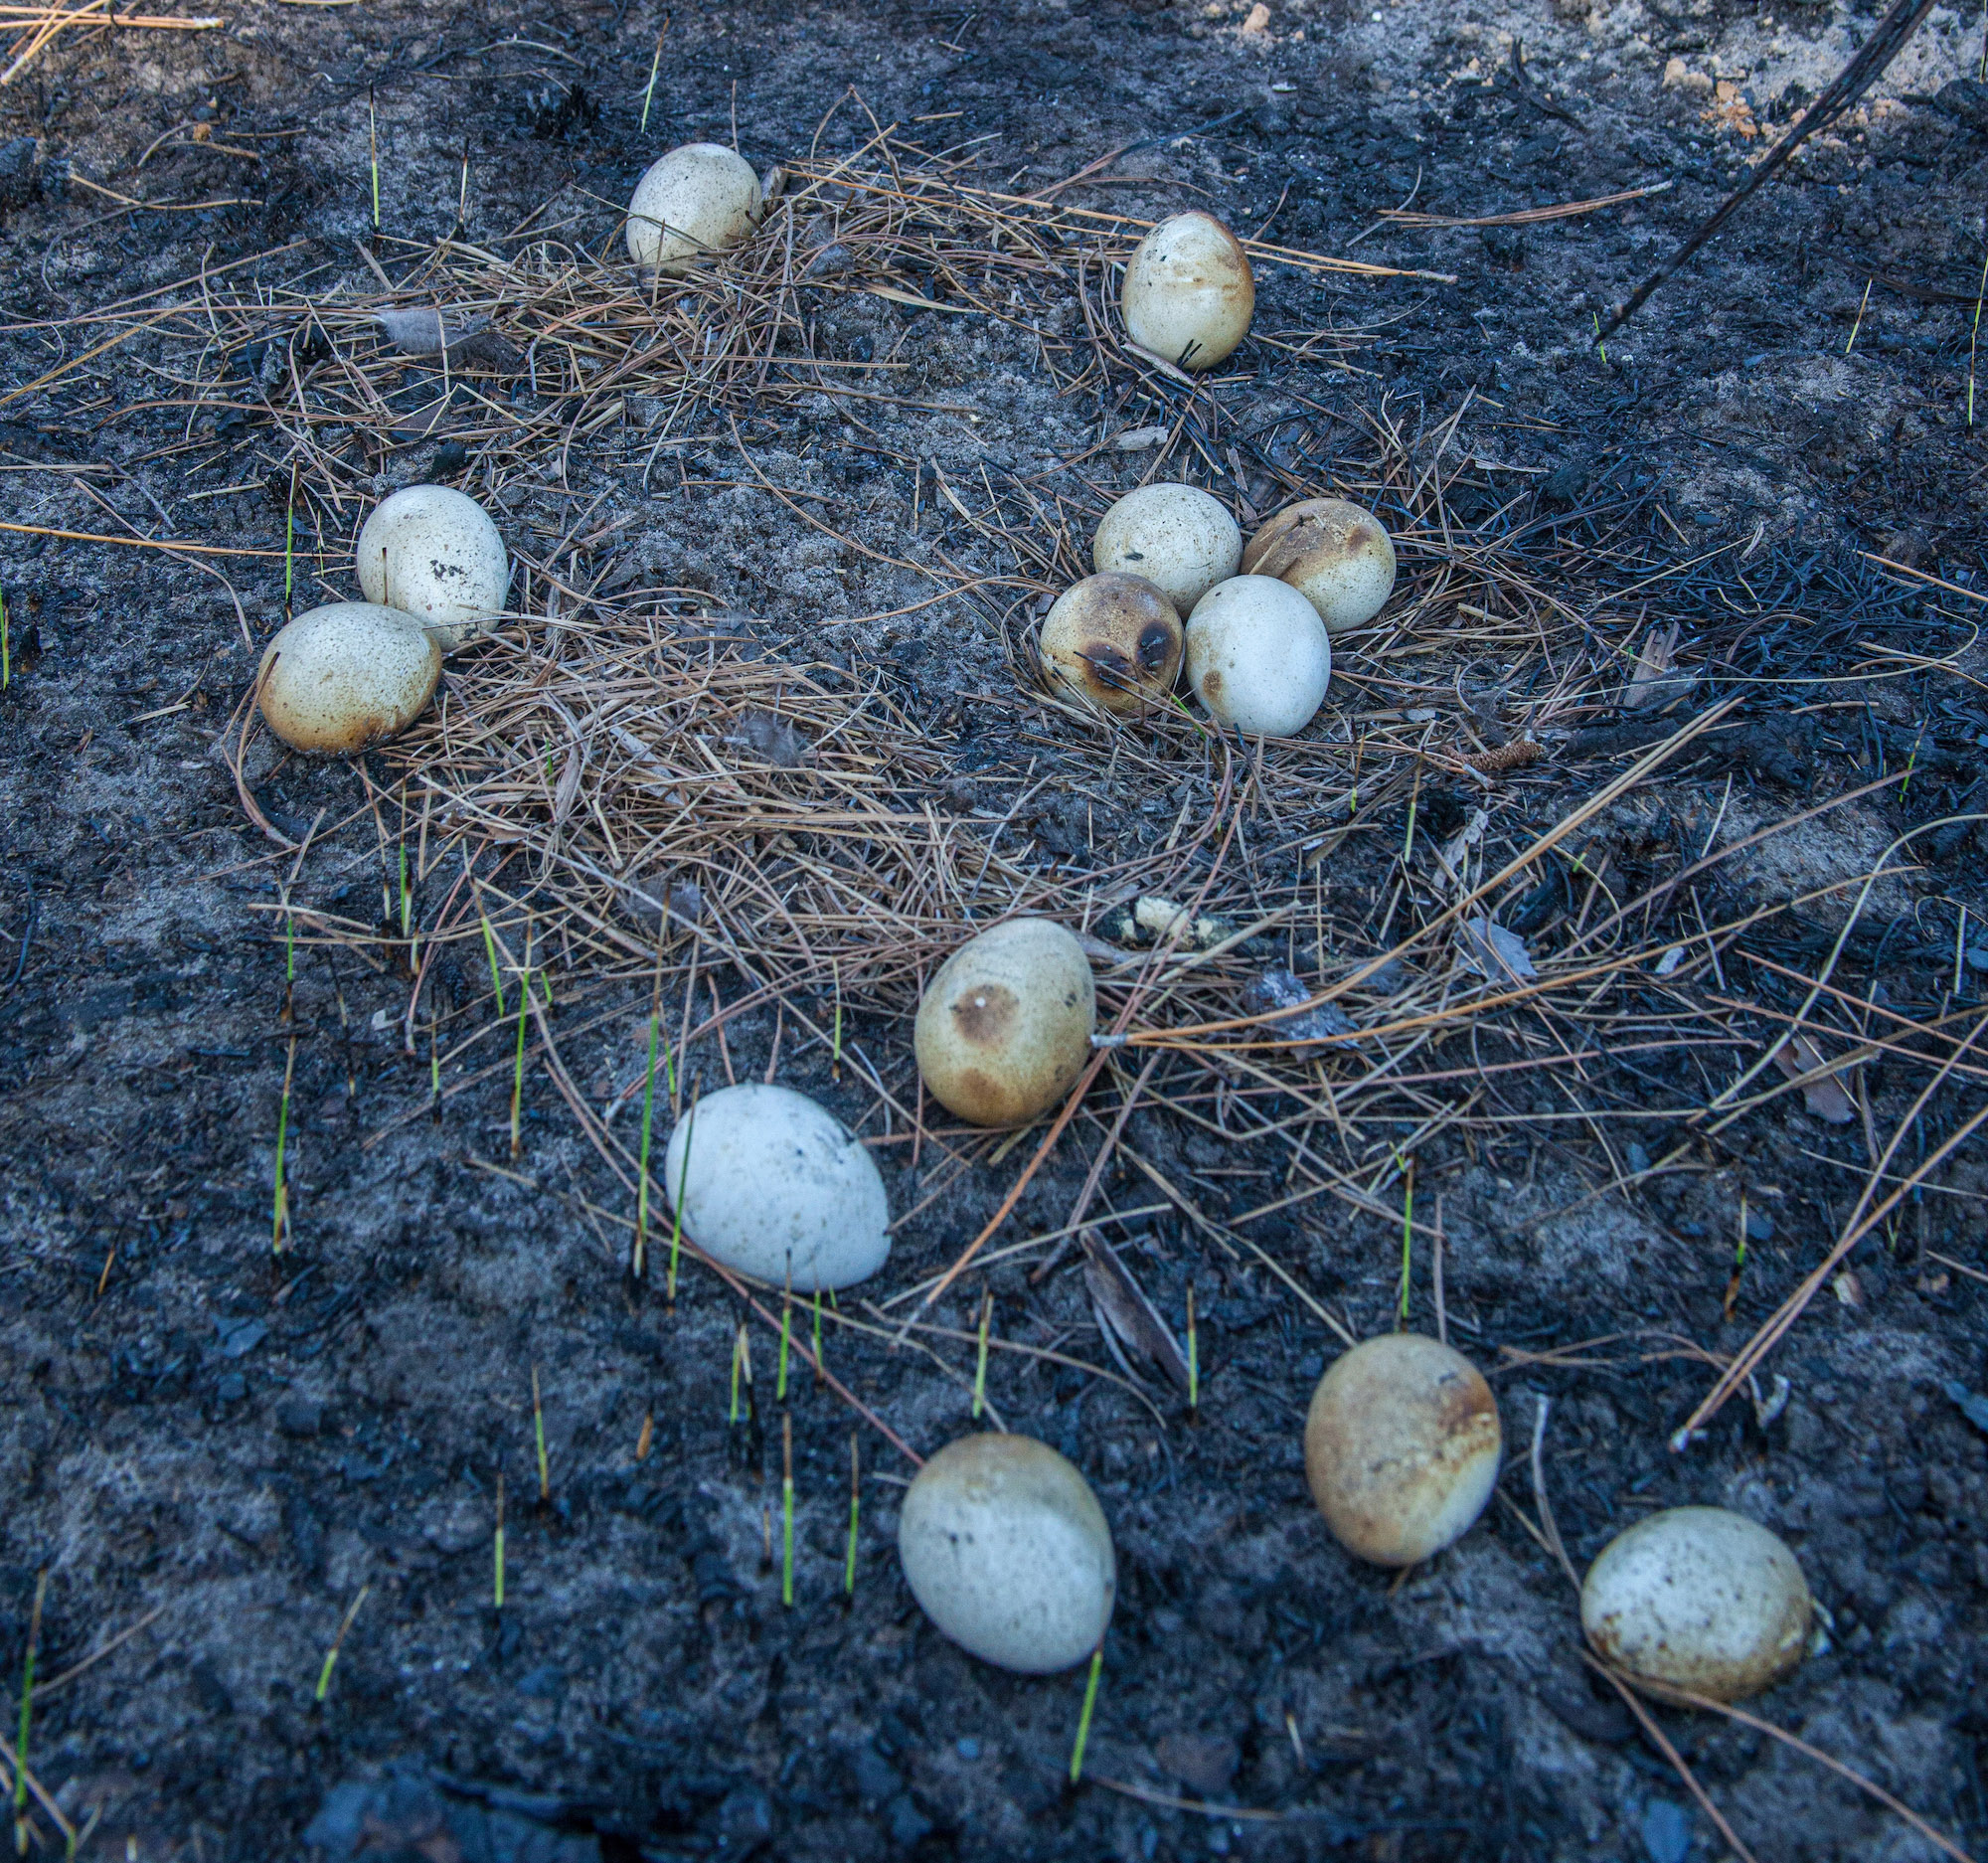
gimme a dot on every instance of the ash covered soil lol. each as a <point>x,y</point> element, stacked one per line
<point>226,1450</point>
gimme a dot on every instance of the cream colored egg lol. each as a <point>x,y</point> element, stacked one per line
<point>1401,1446</point>
<point>1337,555</point>
<point>434,553</point>
<point>1189,291</point>
<point>1699,1597</point>
<point>346,676</point>
<point>698,199</point>
<point>1009,1554</point>
<point>1115,640</point>
<point>1004,1029</point>
<point>1258,656</point>
<point>1177,536</point>
<point>772,1185</point>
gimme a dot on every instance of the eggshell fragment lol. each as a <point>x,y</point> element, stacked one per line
<point>1401,1446</point>
<point>345,676</point>
<point>1337,555</point>
<point>1701,1598</point>
<point>1178,537</point>
<point>1115,640</point>
<point>1258,655</point>
<point>1009,1554</point>
<point>1189,293</point>
<point>433,553</point>
<point>776,1186</point>
<point>701,198</point>
<point>1004,1029</point>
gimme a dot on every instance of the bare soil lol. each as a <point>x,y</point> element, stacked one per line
<point>232,1448</point>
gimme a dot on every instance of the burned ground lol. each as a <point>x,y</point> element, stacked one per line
<point>226,1450</point>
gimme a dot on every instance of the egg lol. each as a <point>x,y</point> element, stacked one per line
<point>1401,1446</point>
<point>1699,1597</point>
<point>1337,555</point>
<point>1258,656</point>
<point>1009,1554</point>
<point>698,199</point>
<point>1116,640</point>
<point>1178,537</point>
<point>1004,1029</point>
<point>346,676</point>
<point>434,553</point>
<point>777,1189</point>
<point>1189,293</point>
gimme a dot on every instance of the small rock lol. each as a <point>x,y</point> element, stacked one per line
<point>1666,1831</point>
<point>745,1821</point>
<point>1278,988</point>
<point>1204,1762</point>
<point>299,1415</point>
<point>909,1826</point>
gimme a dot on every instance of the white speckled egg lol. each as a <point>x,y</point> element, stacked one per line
<point>1178,537</point>
<point>345,676</point>
<point>698,199</point>
<point>776,1186</point>
<point>1699,1597</point>
<point>1009,1554</point>
<point>434,553</point>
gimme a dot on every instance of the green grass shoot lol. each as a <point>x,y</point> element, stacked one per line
<point>27,1712</point>
<point>6,656</point>
<point>517,1066</point>
<point>1974,340</point>
<point>1600,345</point>
<point>638,1262</point>
<point>498,1549</point>
<point>1408,1238</point>
<point>279,1213</point>
<point>1193,1356</point>
<point>787,1511</point>
<point>737,1354</point>
<point>677,1214</point>
<point>435,1064</point>
<point>1083,1720</point>
<point>835,1064</point>
<point>655,65</point>
<point>490,951</point>
<point>1861,308</point>
<point>980,1353</point>
<point>373,148</point>
<point>854,1514</point>
<point>539,1435</point>
<point>787,1328</point>
<point>331,1654</point>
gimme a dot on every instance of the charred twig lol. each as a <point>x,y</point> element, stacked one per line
<point>1850,84</point>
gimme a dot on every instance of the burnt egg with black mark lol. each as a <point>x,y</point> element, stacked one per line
<point>1114,640</point>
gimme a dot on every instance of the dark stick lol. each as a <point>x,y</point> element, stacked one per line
<point>1850,84</point>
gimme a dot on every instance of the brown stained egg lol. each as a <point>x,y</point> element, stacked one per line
<point>1004,1029</point>
<point>1401,1446</point>
<point>1337,555</point>
<point>346,676</point>
<point>1115,639</point>
<point>1701,1598</point>
<point>697,199</point>
<point>1007,1551</point>
<point>1189,293</point>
